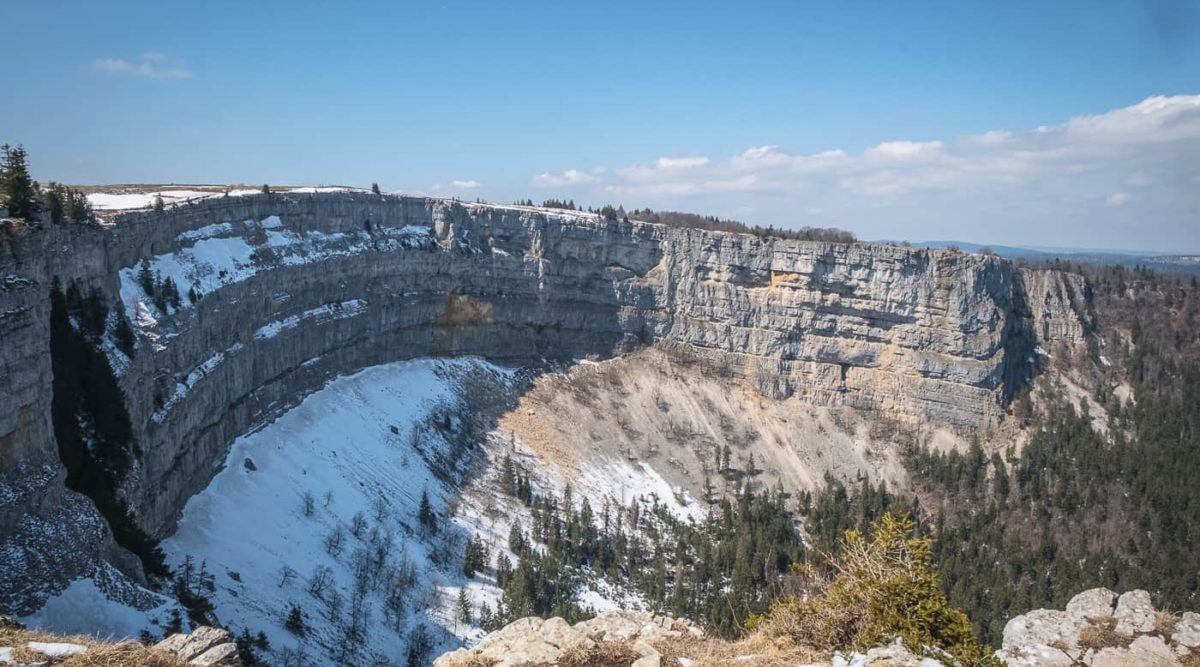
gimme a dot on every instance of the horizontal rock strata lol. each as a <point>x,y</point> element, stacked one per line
<point>278,293</point>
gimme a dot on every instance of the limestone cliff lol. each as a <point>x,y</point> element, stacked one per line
<point>288,290</point>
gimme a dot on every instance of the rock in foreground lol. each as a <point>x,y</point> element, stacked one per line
<point>1101,629</point>
<point>636,639</point>
<point>622,636</point>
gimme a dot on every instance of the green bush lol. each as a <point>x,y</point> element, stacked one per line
<point>882,587</point>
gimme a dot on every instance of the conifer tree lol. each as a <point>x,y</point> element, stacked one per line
<point>16,184</point>
<point>52,201</point>
<point>146,278</point>
<point>464,606</point>
<point>425,514</point>
<point>295,621</point>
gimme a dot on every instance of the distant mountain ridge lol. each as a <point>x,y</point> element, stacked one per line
<point>1171,262</point>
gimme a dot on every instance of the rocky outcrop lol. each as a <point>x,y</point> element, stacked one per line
<point>638,639</point>
<point>203,646</point>
<point>48,534</point>
<point>288,290</point>
<point>1100,628</point>
<point>534,641</point>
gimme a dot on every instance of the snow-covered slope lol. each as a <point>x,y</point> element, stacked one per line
<point>319,510</point>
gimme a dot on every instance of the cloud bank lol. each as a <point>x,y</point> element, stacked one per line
<point>1142,160</point>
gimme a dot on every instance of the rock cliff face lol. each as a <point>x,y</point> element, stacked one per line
<point>48,534</point>
<point>288,290</point>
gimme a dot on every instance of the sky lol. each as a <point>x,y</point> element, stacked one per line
<point>1067,123</point>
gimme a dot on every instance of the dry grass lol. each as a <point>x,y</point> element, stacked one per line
<point>1101,633</point>
<point>125,654</point>
<point>1192,659</point>
<point>757,650</point>
<point>98,654</point>
<point>603,654</point>
<point>1164,624</point>
<point>469,660</point>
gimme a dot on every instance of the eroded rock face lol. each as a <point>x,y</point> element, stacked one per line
<point>1100,629</point>
<point>294,289</point>
<point>48,534</point>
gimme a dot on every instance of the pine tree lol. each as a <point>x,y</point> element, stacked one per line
<point>474,557</point>
<point>79,209</point>
<point>375,188</point>
<point>16,184</point>
<point>464,607</point>
<point>425,514</point>
<point>295,621</point>
<point>508,476</point>
<point>174,624</point>
<point>126,340</point>
<point>158,204</point>
<point>52,201</point>
<point>146,278</point>
<point>266,189</point>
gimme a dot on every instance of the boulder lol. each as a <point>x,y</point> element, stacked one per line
<point>1122,632</point>
<point>1135,613</point>
<point>532,641</point>
<point>1145,651</point>
<point>225,655</point>
<point>1187,631</point>
<point>1091,604</point>
<point>204,646</point>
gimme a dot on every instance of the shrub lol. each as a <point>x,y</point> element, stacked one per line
<point>882,587</point>
<point>1101,633</point>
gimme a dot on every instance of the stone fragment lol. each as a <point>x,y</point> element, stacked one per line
<point>1093,603</point>
<point>221,654</point>
<point>1134,613</point>
<point>204,646</point>
<point>1187,630</point>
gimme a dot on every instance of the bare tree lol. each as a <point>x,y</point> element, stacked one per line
<point>309,503</point>
<point>333,605</point>
<point>286,574</point>
<point>358,524</point>
<point>320,581</point>
<point>334,541</point>
<point>381,507</point>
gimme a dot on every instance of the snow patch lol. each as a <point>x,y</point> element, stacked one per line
<point>210,261</point>
<point>624,481</point>
<point>330,311</point>
<point>207,231</point>
<point>83,609</point>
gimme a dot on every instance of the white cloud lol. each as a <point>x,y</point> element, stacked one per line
<point>669,163</point>
<point>663,168</point>
<point>465,185</point>
<point>904,150</point>
<point>566,178</point>
<point>1047,177</point>
<point>152,65</point>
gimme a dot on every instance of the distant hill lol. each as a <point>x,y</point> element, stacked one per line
<point>1157,261</point>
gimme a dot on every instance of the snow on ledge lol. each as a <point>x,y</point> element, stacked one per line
<point>331,311</point>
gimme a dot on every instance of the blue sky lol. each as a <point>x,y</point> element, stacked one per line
<point>914,120</point>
